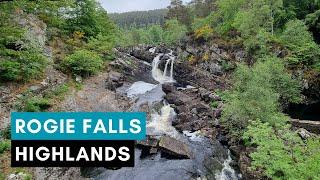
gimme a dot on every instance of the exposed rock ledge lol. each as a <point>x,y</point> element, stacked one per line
<point>312,126</point>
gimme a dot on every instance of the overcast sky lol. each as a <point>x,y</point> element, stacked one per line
<point>134,5</point>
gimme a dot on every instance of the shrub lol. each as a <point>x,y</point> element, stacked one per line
<point>203,32</point>
<point>282,153</point>
<point>174,32</point>
<point>4,146</point>
<point>6,133</point>
<point>22,65</point>
<point>259,92</point>
<point>82,62</point>
<point>101,44</point>
<point>57,92</point>
<point>300,42</point>
<point>36,104</point>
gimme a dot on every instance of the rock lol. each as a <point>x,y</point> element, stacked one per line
<point>240,56</point>
<point>19,176</point>
<point>211,67</point>
<point>34,88</point>
<point>143,54</point>
<point>217,113</point>
<point>175,148</point>
<point>114,80</point>
<point>201,108</point>
<point>149,142</point>
<point>78,79</point>
<point>304,134</point>
<point>168,88</point>
<point>173,99</point>
<point>311,126</point>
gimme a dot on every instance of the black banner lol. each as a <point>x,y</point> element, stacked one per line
<point>111,154</point>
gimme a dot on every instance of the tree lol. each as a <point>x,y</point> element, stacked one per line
<point>180,12</point>
<point>300,42</point>
<point>89,17</point>
<point>259,91</point>
<point>174,31</point>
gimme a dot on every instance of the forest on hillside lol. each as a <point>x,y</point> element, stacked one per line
<point>282,66</point>
<point>139,18</point>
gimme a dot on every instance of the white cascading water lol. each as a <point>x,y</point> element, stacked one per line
<point>163,76</point>
<point>227,173</point>
<point>161,123</point>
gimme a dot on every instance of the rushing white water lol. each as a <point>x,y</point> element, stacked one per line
<point>161,124</point>
<point>163,76</point>
<point>227,173</point>
<point>152,50</point>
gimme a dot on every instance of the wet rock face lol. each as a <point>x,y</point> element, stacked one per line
<point>143,53</point>
<point>193,113</point>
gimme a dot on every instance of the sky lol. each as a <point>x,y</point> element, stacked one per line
<point>134,5</point>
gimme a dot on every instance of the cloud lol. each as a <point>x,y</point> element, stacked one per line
<point>133,5</point>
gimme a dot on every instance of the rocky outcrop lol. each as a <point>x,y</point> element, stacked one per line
<point>311,126</point>
<point>143,53</point>
<point>192,107</point>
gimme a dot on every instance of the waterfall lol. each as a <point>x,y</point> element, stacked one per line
<point>158,74</point>
<point>227,173</point>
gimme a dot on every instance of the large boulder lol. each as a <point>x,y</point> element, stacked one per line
<point>175,148</point>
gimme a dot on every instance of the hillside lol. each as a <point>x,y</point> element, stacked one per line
<point>139,18</point>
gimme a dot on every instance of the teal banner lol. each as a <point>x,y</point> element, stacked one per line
<point>78,126</point>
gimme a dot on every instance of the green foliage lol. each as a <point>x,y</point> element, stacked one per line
<point>4,146</point>
<point>36,104</point>
<point>174,32</point>
<point>6,133</point>
<point>21,65</point>
<point>89,17</point>
<point>170,34</point>
<point>178,11</point>
<point>102,44</point>
<point>259,92</point>
<point>281,152</point>
<point>58,92</point>
<point>139,19</point>
<point>214,104</point>
<point>227,10</point>
<point>82,62</point>
<point>300,42</point>
<point>21,57</point>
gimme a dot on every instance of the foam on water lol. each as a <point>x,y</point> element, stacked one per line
<point>161,124</point>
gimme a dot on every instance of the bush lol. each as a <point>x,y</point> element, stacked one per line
<point>82,62</point>
<point>57,93</point>
<point>204,32</point>
<point>22,65</point>
<point>36,104</point>
<point>300,42</point>
<point>174,32</point>
<point>4,146</point>
<point>281,153</point>
<point>259,92</point>
<point>6,133</point>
